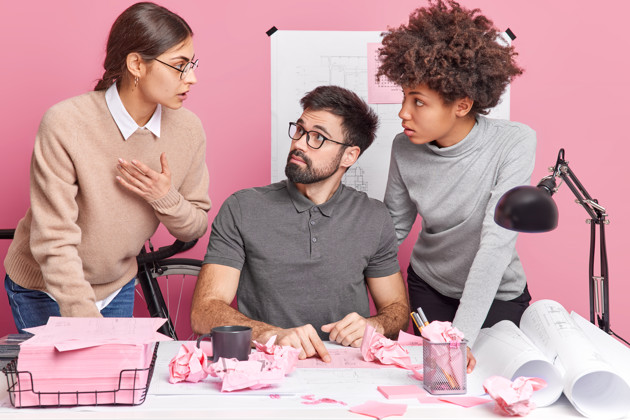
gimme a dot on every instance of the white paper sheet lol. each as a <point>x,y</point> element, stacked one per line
<point>594,386</point>
<point>504,350</point>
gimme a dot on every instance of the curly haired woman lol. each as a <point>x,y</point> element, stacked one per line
<point>451,165</point>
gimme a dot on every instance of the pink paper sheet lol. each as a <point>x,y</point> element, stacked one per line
<point>379,410</point>
<point>87,355</point>
<point>465,401</point>
<point>393,392</point>
<point>428,399</point>
<point>383,91</point>
<point>406,339</point>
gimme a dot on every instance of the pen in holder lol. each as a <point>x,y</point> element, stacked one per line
<point>444,367</point>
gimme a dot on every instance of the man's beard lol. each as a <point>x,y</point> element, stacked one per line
<point>308,175</point>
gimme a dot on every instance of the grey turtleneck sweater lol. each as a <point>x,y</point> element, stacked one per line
<point>461,252</point>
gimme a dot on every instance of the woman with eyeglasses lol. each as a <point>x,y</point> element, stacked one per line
<point>107,168</point>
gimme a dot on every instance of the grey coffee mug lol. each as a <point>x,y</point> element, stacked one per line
<point>230,341</point>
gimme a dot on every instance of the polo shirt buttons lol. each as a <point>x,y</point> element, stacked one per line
<point>312,222</point>
<point>314,239</point>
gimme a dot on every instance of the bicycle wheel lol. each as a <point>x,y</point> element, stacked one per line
<point>177,278</point>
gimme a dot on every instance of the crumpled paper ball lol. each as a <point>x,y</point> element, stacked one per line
<point>236,375</point>
<point>441,332</point>
<point>189,365</point>
<point>375,346</point>
<point>285,357</point>
<point>266,366</point>
<point>513,398</point>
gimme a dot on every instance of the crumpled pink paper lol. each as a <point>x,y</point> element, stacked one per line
<point>285,357</point>
<point>512,398</point>
<point>375,346</point>
<point>441,332</point>
<point>189,365</point>
<point>266,366</point>
<point>236,375</point>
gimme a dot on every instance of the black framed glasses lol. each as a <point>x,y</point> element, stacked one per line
<point>183,71</point>
<point>314,139</point>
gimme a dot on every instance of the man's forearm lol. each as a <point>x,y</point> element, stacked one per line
<point>392,319</point>
<point>217,313</point>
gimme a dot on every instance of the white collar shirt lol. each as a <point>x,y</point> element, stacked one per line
<point>125,123</point>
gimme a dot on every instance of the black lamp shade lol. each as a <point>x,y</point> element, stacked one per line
<point>527,209</point>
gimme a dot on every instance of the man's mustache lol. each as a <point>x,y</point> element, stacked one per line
<point>301,155</point>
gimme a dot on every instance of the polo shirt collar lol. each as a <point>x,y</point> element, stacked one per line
<point>302,203</point>
<point>125,123</point>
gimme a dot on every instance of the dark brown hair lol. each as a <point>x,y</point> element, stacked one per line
<point>452,50</point>
<point>359,120</point>
<point>144,28</point>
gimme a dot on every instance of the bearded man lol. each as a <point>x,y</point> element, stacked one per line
<point>301,255</point>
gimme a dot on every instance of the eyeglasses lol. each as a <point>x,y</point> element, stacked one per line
<point>314,139</point>
<point>183,71</point>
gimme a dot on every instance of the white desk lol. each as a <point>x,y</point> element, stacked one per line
<point>205,402</point>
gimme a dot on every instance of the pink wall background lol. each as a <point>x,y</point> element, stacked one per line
<point>574,94</point>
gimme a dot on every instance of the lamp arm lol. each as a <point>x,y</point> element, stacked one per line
<point>592,207</point>
<point>598,285</point>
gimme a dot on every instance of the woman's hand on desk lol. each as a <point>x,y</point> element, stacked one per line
<point>144,181</point>
<point>471,360</point>
<point>304,338</point>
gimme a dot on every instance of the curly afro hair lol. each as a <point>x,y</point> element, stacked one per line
<point>452,50</point>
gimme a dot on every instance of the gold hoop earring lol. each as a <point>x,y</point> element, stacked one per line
<point>135,82</point>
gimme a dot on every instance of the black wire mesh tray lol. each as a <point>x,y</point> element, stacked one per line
<point>132,388</point>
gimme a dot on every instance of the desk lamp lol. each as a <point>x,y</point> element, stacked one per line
<point>531,209</point>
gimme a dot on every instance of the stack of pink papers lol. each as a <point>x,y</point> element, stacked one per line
<point>86,361</point>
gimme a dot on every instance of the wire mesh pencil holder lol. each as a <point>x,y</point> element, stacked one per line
<point>131,389</point>
<point>444,367</point>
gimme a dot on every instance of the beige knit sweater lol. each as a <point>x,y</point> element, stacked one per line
<point>79,239</point>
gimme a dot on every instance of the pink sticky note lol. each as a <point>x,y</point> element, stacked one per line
<point>379,410</point>
<point>465,401</point>
<point>394,392</point>
<point>427,399</point>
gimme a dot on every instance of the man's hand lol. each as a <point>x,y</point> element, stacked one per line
<point>304,338</point>
<point>144,181</point>
<point>471,360</point>
<point>349,331</point>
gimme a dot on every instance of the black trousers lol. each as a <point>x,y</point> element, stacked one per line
<point>442,308</point>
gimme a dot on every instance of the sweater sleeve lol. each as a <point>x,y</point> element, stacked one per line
<point>184,210</point>
<point>55,234</point>
<point>401,208</point>
<point>497,245</point>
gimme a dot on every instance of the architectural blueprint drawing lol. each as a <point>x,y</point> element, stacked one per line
<point>303,60</point>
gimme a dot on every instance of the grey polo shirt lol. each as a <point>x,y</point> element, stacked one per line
<point>303,263</point>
